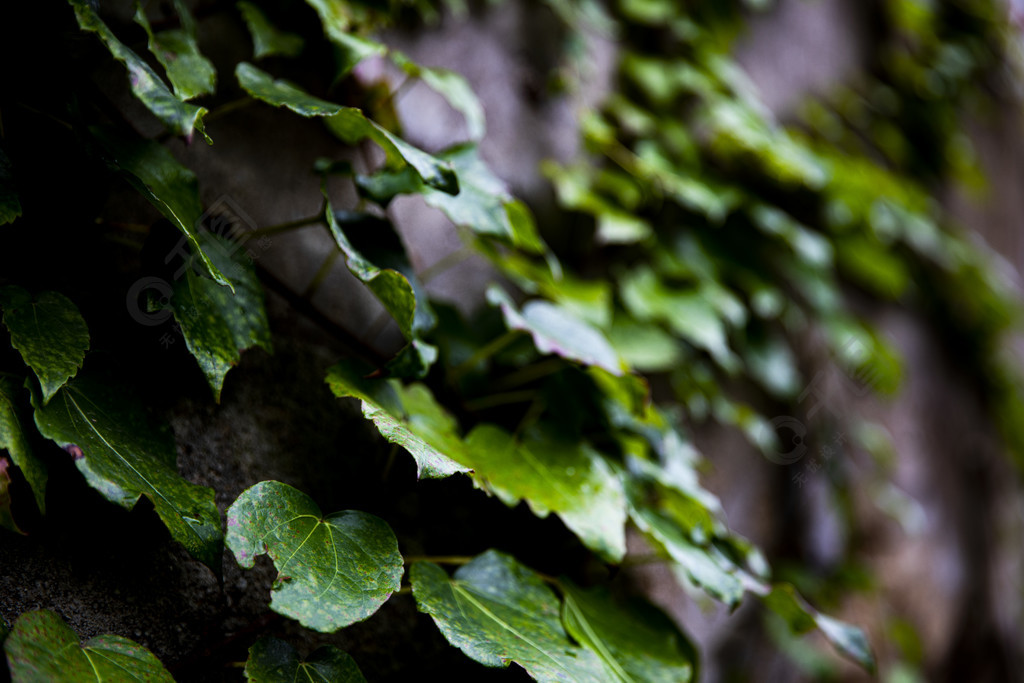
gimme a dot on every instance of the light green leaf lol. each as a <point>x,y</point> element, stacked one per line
<point>181,117</point>
<point>218,325</point>
<point>333,570</point>
<point>267,40</point>
<point>123,456</point>
<point>801,617</point>
<point>169,186</point>
<point>483,203</point>
<point>349,124</point>
<point>10,205</point>
<point>275,661</point>
<point>636,642</point>
<point>337,19</point>
<point>553,475</point>
<point>15,440</point>
<point>497,611</point>
<point>555,330</point>
<point>453,87</point>
<point>48,332</point>
<point>191,74</point>
<point>43,649</point>
<point>646,348</point>
<point>6,518</point>
<point>407,416</point>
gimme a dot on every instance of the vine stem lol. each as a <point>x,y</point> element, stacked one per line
<point>439,559</point>
<point>285,227</point>
<point>494,400</point>
<point>484,353</point>
<point>447,261</point>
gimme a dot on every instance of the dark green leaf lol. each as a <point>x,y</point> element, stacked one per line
<point>10,205</point>
<point>218,325</point>
<point>15,440</point>
<point>453,87</point>
<point>48,332</point>
<point>349,124</point>
<point>497,611</point>
<point>43,649</point>
<point>555,330</point>
<point>635,642</point>
<point>553,475</point>
<point>801,617</point>
<point>274,661</point>
<point>6,518</point>
<point>123,457</point>
<point>407,416</point>
<point>181,117</point>
<point>189,71</point>
<point>267,40</point>
<point>336,17</point>
<point>169,186</point>
<point>333,570</point>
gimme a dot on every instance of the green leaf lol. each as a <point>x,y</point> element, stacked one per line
<point>333,570</point>
<point>349,124</point>
<point>181,117</point>
<point>123,456</point>
<point>453,87</point>
<point>553,475</point>
<point>191,74</point>
<point>15,440</point>
<point>267,40</point>
<point>10,205</point>
<point>801,617</point>
<point>407,416</point>
<point>273,661</point>
<point>173,189</point>
<point>43,649</point>
<point>6,518</point>
<point>636,642</point>
<point>48,332</point>
<point>218,325</point>
<point>555,330</point>
<point>336,17</point>
<point>497,611</point>
<point>483,203</point>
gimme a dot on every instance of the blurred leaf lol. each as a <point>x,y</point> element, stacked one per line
<point>267,40</point>
<point>216,323</point>
<point>349,124</point>
<point>338,19</point>
<point>173,189</point>
<point>14,438</point>
<point>48,332</point>
<point>274,661</point>
<point>636,642</point>
<point>181,117</point>
<point>41,648</point>
<point>497,611</point>
<point>6,518</point>
<point>189,71</point>
<point>123,456</point>
<point>333,570</point>
<point>453,87</point>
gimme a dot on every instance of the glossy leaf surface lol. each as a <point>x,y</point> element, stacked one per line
<point>333,570</point>
<point>272,661</point>
<point>191,74</point>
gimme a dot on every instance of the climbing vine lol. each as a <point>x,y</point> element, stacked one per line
<point>703,248</point>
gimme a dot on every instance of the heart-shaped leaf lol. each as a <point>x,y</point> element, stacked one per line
<point>349,124</point>
<point>337,19</point>
<point>497,611</point>
<point>48,332</point>
<point>268,40</point>
<point>555,330</point>
<point>191,74</point>
<point>407,416</point>
<point>272,660</point>
<point>216,323</point>
<point>10,205</point>
<point>181,117</point>
<point>552,475</point>
<point>15,440</point>
<point>334,570</point>
<point>41,648</point>
<point>165,183</point>
<point>124,456</point>
<point>636,642</point>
